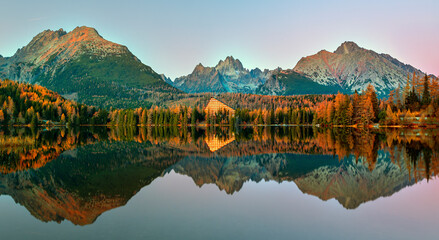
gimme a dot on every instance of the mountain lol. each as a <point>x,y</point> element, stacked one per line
<point>353,68</point>
<point>227,76</point>
<point>347,69</point>
<point>84,66</point>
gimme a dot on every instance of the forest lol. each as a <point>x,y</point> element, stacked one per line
<point>27,104</point>
<point>416,103</point>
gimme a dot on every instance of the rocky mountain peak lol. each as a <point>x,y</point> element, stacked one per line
<point>229,63</point>
<point>45,37</point>
<point>347,47</point>
<point>199,68</point>
<point>86,32</point>
<point>65,45</point>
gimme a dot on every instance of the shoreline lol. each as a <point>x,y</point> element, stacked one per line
<point>375,126</point>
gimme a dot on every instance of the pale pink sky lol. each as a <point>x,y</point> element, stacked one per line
<point>172,36</point>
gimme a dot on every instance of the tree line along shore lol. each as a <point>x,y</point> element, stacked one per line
<point>414,105</point>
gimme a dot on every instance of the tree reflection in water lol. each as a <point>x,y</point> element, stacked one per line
<point>77,174</point>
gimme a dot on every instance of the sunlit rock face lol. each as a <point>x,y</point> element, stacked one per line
<point>353,68</point>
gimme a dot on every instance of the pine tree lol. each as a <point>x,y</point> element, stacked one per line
<point>368,112</point>
<point>185,117</point>
<point>407,87</point>
<point>371,94</point>
<point>398,97</point>
<point>412,100</point>
<point>272,117</point>
<point>349,113</point>
<point>208,118</point>
<point>426,99</point>
<point>389,115</point>
<point>194,116</point>
<point>34,121</point>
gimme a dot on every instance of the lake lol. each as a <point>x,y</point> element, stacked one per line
<point>194,183</point>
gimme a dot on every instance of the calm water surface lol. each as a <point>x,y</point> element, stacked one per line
<point>259,183</point>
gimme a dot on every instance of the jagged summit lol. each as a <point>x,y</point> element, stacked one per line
<point>228,59</point>
<point>230,63</point>
<point>347,47</point>
<point>199,68</point>
<point>85,29</point>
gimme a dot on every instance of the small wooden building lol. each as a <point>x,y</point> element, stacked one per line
<point>215,106</point>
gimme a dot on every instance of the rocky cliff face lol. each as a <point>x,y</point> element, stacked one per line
<point>83,63</point>
<point>227,76</point>
<point>353,68</point>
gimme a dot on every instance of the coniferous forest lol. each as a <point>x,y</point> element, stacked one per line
<point>417,103</point>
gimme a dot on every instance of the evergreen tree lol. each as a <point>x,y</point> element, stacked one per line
<point>407,88</point>
<point>194,116</point>
<point>34,121</point>
<point>368,112</point>
<point>371,94</point>
<point>412,100</point>
<point>426,99</point>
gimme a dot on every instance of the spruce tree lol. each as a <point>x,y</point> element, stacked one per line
<point>426,99</point>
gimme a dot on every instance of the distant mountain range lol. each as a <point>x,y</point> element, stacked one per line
<point>227,76</point>
<point>83,66</point>
<point>350,68</point>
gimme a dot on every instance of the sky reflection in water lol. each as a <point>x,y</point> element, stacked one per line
<point>168,190</point>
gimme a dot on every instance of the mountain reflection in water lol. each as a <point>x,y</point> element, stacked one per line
<point>77,174</point>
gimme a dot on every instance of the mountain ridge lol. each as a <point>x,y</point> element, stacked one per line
<point>348,69</point>
<point>352,68</point>
<point>82,63</point>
